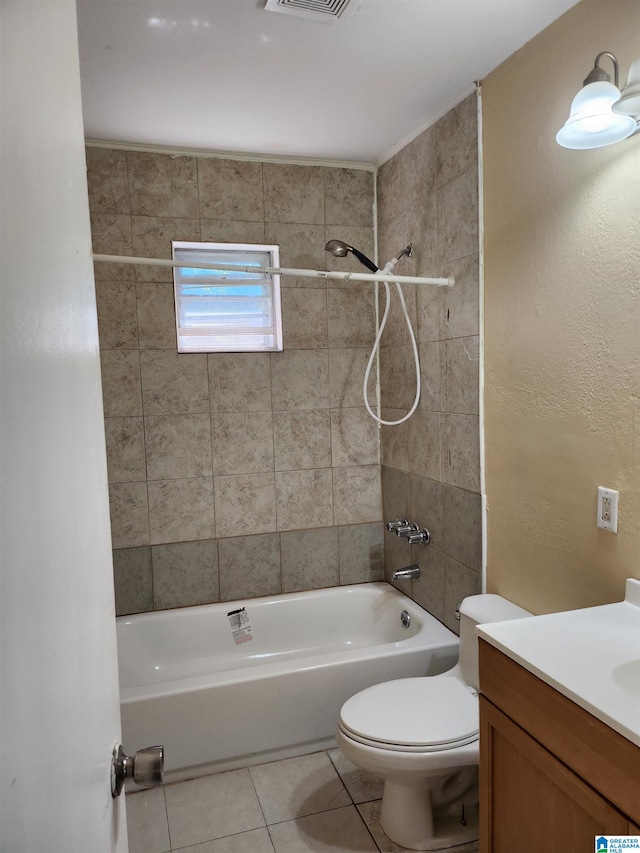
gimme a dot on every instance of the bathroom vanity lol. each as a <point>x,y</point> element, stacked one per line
<point>560,729</point>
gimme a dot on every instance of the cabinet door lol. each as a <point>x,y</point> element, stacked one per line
<point>529,800</point>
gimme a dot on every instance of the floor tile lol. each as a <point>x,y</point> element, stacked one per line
<point>212,807</point>
<point>340,830</point>
<point>362,786</point>
<point>370,813</point>
<point>254,841</point>
<point>298,786</point>
<point>147,822</point>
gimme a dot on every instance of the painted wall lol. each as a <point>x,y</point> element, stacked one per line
<point>428,195</point>
<point>562,323</point>
<point>59,698</point>
<point>235,475</point>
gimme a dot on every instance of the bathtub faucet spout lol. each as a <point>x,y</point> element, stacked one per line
<point>406,573</point>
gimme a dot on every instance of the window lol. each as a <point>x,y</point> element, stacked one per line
<point>227,310</point>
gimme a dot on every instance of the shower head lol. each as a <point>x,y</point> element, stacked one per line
<point>339,249</point>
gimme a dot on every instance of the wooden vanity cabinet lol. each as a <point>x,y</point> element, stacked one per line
<point>552,776</point>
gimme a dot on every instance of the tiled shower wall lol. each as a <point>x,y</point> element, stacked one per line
<point>428,195</point>
<point>234,475</point>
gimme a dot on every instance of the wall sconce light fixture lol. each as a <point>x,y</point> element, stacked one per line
<point>600,113</point>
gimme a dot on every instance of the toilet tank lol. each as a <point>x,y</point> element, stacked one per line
<point>478,610</point>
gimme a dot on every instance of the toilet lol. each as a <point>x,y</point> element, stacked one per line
<point>421,736</point>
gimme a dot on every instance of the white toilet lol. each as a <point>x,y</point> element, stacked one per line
<point>421,736</point>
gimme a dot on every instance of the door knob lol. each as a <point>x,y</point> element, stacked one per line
<point>145,767</point>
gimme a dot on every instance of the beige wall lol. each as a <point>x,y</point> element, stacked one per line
<point>562,323</point>
<point>234,475</point>
<point>428,195</point>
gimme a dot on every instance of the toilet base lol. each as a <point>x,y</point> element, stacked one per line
<point>407,822</point>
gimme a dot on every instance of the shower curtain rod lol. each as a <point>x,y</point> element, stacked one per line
<point>345,276</point>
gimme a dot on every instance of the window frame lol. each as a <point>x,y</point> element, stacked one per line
<point>274,285</point>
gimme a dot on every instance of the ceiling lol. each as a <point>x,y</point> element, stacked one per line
<point>230,76</point>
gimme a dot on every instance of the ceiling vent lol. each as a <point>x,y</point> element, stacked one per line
<point>325,11</point>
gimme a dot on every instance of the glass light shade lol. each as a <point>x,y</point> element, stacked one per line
<point>591,123</point>
<point>629,103</point>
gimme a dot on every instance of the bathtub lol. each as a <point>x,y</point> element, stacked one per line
<point>228,685</point>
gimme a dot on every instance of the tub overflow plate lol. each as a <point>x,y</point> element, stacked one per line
<point>405,619</point>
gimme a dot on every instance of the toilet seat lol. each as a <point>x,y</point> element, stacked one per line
<point>429,714</point>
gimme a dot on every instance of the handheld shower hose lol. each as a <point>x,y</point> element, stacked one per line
<point>340,249</point>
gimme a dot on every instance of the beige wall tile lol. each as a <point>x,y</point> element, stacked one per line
<point>361,553</point>
<point>348,197</point>
<point>301,247</point>
<point>156,316</point>
<point>426,508</point>
<point>458,217</point>
<point>431,376</point>
<point>309,559</point>
<point>462,522</point>
<point>249,566</point>
<point>178,446</point>
<point>304,499</point>
<point>107,181</point>
<point>424,445</point>
<point>125,450</point>
<point>429,311</point>
<point>224,231</point>
<point>460,448</point>
<point>181,510</point>
<point>397,385</point>
<point>460,375</point>
<point>111,234</point>
<point>460,305</point>
<point>117,317</point>
<point>354,438</point>
<point>230,189</point>
<point>152,237</point>
<point>174,383</point>
<point>351,316</point>
<point>300,380</point>
<point>121,387</point>
<point>304,318</point>
<point>240,382</point>
<point>459,582</point>
<point>185,573</point>
<point>162,184</point>
<point>395,489</point>
<point>394,440</point>
<point>457,141</point>
<point>133,580</point>
<point>293,193</point>
<point>356,494</point>
<point>245,504</point>
<point>428,589</point>
<point>242,442</point>
<point>302,440</point>
<point>347,366</point>
<point>129,515</point>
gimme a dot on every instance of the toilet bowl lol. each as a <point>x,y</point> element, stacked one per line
<point>421,736</point>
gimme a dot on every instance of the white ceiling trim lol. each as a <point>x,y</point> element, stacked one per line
<point>228,155</point>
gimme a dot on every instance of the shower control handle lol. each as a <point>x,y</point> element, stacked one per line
<point>419,537</point>
<point>392,526</point>
<point>145,767</point>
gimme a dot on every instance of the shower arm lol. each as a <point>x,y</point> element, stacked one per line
<point>299,273</point>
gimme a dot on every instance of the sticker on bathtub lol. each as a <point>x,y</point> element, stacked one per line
<point>240,624</point>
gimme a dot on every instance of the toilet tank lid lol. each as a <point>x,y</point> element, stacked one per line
<point>491,608</point>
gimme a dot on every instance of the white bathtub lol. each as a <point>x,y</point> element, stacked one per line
<point>218,705</point>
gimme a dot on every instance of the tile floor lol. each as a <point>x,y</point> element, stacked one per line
<point>316,802</point>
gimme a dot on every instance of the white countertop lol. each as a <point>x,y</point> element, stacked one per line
<point>591,656</point>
